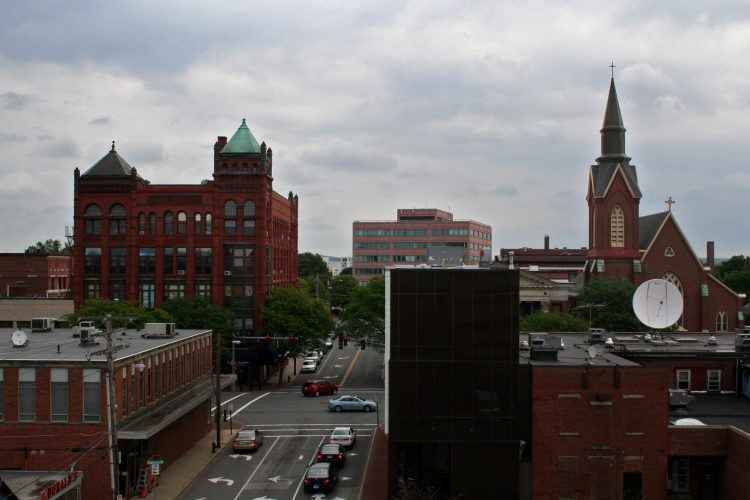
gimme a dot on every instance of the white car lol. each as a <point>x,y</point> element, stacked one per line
<point>309,366</point>
<point>314,355</point>
<point>345,436</point>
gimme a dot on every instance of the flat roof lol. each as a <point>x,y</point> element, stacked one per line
<point>43,346</point>
<point>668,344</point>
<point>576,355</point>
<point>716,409</point>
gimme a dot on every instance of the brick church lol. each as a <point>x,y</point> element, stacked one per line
<point>625,244</point>
<point>230,239</point>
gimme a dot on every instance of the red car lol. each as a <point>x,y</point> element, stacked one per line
<point>318,387</point>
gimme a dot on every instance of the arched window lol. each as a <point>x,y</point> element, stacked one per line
<point>152,223</point>
<point>672,278</point>
<point>181,223</point>
<point>141,223</point>
<point>248,221</point>
<point>168,223</point>
<point>92,219</point>
<point>117,219</point>
<point>722,322</point>
<point>230,208</point>
<point>198,225</point>
<point>617,227</point>
<point>208,224</point>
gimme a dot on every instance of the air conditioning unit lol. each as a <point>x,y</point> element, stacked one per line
<point>158,330</point>
<point>180,272</point>
<point>742,341</point>
<point>42,324</point>
<point>85,327</point>
<point>227,273</point>
<point>141,232</point>
<point>544,347</point>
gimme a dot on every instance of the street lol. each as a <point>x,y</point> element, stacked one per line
<point>294,426</point>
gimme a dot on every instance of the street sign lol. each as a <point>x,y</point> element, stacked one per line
<point>155,469</point>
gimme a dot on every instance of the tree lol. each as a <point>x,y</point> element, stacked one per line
<point>311,265</point>
<point>553,322</point>
<point>364,316</point>
<point>201,313</point>
<point>290,312</point>
<point>48,246</point>
<point>617,313</point>
<point>101,307</point>
<point>735,273</point>
<point>341,289</point>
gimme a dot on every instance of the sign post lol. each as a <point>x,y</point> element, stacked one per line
<point>155,469</point>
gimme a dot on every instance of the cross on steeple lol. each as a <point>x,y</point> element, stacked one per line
<point>113,145</point>
<point>612,69</point>
<point>670,202</point>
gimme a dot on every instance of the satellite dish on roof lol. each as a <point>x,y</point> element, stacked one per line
<point>19,338</point>
<point>592,352</point>
<point>657,303</point>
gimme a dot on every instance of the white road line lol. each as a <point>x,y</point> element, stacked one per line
<point>364,472</point>
<point>325,361</point>
<point>248,404</point>
<point>308,465</point>
<point>228,400</point>
<point>256,469</point>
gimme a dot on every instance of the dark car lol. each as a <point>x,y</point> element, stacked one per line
<point>248,440</point>
<point>332,452</point>
<point>318,387</point>
<point>321,476</point>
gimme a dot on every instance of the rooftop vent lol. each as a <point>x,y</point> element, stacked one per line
<point>159,330</point>
<point>596,335</point>
<point>42,324</point>
<point>544,346</point>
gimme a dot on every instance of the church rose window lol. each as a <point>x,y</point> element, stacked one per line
<point>617,227</point>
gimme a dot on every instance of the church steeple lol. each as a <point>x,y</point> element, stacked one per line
<point>613,130</point>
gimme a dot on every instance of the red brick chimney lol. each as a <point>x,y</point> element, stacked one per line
<point>710,254</point>
<point>546,242</point>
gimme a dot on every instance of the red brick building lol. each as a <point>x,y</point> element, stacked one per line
<point>411,238</point>
<point>231,239</point>
<point>35,275</point>
<point>54,403</point>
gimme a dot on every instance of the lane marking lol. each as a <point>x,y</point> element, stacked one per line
<point>256,469</point>
<point>308,465</point>
<point>230,399</point>
<point>323,365</point>
<point>248,404</point>
<point>351,365</point>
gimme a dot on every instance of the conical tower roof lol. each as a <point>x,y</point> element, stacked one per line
<point>242,142</point>
<point>111,165</point>
<point>613,130</point>
<point>612,115</point>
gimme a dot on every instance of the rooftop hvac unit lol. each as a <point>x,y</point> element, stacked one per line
<point>85,326</point>
<point>596,335</point>
<point>742,342</point>
<point>158,330</point>
<point>42,324</point>
<point>544,346</point>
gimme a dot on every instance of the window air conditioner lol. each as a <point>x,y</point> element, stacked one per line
<point>141,232</point>
<point>180,272</point>
<point>227,273</point>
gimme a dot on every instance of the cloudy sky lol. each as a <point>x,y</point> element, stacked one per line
<point>489,109</point>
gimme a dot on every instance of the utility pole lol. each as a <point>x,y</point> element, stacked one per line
<point>218,390</point>
<point>113,454</point>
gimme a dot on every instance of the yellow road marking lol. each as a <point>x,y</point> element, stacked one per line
<point>351,365</point>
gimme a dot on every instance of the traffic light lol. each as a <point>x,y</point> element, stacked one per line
<point>346,340</point>
<point>291,340</point>
<point>341,342</point>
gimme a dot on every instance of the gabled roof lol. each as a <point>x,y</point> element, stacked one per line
<point>111,165</point>
<point>601,176</point>
<point>241,142</point>
<point>648,227</point>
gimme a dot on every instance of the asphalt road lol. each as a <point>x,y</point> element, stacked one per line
<point>294,427</point>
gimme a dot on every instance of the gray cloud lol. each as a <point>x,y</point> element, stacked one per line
<point>14,100</point>
<point>63,147</point>
<point>102,120</point>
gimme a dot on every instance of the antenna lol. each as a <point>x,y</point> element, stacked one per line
<point>658,303</point>
<point>19,338</point>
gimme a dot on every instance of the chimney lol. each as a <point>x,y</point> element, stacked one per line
<point>546,242</point>
<point>710,254</point>
<point>510,259</point>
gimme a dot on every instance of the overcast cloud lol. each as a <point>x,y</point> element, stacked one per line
<point>491,109</point>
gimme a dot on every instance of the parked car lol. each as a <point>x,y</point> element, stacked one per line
<point>345,436</point>
<point>248,440</point>
<point>351,403</point>
<point>332,452</point>
<point>321,476</point>
<point>309,365</point>
<point>329,342</point>
<point>318,387</point>
<point>314,355</point>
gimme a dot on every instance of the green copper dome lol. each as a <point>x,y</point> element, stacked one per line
<point>242,141</point>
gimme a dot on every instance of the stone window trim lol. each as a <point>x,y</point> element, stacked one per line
<point>617,227</point>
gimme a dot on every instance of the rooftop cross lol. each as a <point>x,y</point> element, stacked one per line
<point>670,202</point>
<point>113,145</point>
<point>612,69</point>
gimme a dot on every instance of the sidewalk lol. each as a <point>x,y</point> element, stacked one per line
<point>179,475</point>
<point>375,484</point>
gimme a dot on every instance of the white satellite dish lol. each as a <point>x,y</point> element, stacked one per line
<point>19,338</point>
<point>657,304</point>
<point>592,352</point>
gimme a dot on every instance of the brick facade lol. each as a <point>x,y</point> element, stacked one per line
<point>35,275</point>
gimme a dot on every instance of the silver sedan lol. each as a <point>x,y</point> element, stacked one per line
<point>351,403</point>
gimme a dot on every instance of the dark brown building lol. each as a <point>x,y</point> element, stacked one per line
<point>452,383</point>
<point>230,239</point>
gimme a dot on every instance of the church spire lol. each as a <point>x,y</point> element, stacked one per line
<point>613,130</point>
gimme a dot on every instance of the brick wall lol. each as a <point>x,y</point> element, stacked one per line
<point>698,370</point>
<point>735,485</point>
<point>179,436</point>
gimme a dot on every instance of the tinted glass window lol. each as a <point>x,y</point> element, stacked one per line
<point>330,448</point>
<point>317,472</point>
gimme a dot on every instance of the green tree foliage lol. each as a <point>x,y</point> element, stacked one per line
<point>735,273</point>
<point>312,264</point>
<point>316,287</point>
<point>364,315</point>
<point>341,289</point>
<point>617,313</point>
<point>198,313</point>
<point>48,246</point>
<point>291,312</point>
<point>553,322</point>
<point>102,307</point>
<point>347,271</point>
